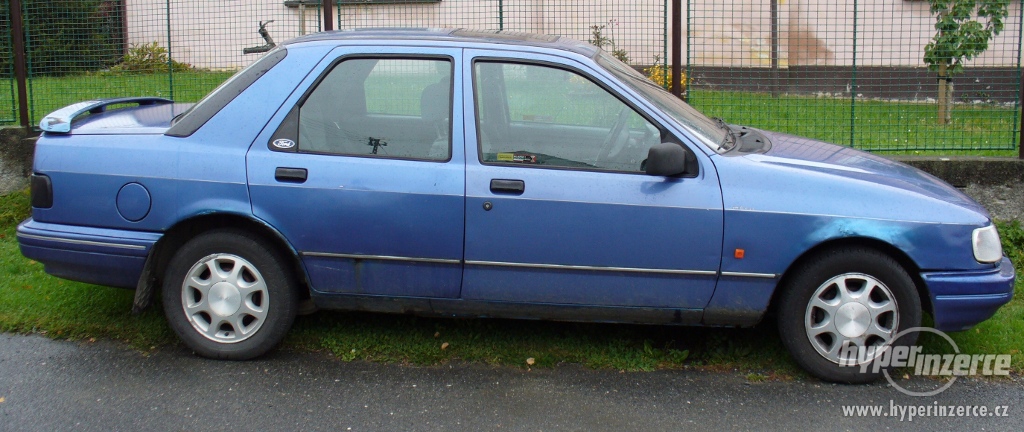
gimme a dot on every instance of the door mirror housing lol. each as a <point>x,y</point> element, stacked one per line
<point>670,159</point>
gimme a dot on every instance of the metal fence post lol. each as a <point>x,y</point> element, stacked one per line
<point>20,62</point>
<point>122,8</point>
<point>328,14</point>
<point>170,55</point>
<point>774,12</point>
<point>677,48</point>
<point>689,53</point>
<point>853,82</point>
<point>1020,85</point>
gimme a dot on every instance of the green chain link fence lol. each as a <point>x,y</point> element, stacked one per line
<point>845,71</point>
<point>850,72</point>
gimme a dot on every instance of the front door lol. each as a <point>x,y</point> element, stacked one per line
<point>558,208</point>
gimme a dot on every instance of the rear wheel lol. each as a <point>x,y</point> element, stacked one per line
<point>228,295</point>
<point>840,309</point>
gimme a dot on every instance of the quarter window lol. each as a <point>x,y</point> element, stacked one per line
<point>536,115</point>
<point>398,108</point>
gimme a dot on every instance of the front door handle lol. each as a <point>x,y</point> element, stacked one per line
<point>503,186</point>
<point>290,175</point>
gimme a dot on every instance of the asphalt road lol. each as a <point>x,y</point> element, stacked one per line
<point>51,386</point>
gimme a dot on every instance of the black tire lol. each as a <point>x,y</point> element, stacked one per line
<point>262,312</point>
<point>858,264</point>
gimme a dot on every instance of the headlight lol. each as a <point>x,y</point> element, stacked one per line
<point>987,248</point>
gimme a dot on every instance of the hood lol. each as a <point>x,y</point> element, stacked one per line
<point>812,155</point>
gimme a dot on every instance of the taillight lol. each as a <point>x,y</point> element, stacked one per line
<point>42,191</point>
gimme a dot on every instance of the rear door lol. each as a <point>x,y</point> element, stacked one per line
<point>363,175</point>
<point>558,209</point>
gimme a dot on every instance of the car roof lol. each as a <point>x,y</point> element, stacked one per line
<point>461,35</point>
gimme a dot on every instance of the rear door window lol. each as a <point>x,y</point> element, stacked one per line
<point>380,107</point>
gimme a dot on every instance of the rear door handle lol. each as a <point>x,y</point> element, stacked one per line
<point>502,186</point>
<point>290,175</point>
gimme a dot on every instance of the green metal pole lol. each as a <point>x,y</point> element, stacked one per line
<point>664,41</point>
<point>501,15</point>
<point>170,56</point>
<point>853,80</point>
<point>677,49</point>
<point>774,13</point>
<point>1020,86</point>
<point>689,72</point>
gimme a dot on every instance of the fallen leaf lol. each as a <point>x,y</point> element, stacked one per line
<point>530,361</point>
<point>2,399</point>
<point>444,346</point>
<point>906,376</point>
<point>437,334</point>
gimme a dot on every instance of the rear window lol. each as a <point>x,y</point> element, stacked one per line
<point>190,121</point>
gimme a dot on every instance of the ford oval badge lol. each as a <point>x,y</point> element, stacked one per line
<point>283,143</point>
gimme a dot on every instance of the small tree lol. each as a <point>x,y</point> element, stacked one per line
<point>960,37</point>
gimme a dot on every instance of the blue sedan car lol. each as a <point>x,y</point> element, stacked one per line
<point>495,174</point>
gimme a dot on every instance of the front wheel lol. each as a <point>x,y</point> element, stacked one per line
<point>228,295</point>
<point>840,309</point>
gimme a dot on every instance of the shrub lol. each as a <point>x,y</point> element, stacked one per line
<point>657,74</point>
<point>148,58</point>
<point>598,39</point>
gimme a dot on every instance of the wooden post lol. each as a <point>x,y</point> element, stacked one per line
<point>328,15</point>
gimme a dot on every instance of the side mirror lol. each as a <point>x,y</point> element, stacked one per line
<point>668,159</point>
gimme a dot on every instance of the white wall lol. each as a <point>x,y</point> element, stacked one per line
<point>212,33</point>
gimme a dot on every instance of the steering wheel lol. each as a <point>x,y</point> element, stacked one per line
<point>616,138</point>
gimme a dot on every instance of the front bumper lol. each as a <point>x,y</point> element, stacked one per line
<point>962,299</point>
<point>94,255</point>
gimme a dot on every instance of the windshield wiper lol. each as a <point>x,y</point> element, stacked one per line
<point>729,141</point>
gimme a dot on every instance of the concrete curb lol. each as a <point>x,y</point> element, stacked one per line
<point>16,148</point>
<point>961,171</point>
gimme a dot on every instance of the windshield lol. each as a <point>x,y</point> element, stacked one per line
<point>694,121</point>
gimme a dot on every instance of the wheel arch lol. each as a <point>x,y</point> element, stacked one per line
<point>176,236</point>
<point>895,253</point>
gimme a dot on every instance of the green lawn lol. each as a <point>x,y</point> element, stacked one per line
<point>892,127</point>
<point>52,93</point>
<point>32,302</point>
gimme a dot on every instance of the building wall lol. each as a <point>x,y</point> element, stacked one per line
<point>736,33</point>
<point>821,32</point>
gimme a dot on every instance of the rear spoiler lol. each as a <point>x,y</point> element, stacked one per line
<point>60,121</point>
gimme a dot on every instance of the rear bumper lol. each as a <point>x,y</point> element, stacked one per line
<point>962,299</point>
<point>93,255</point>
